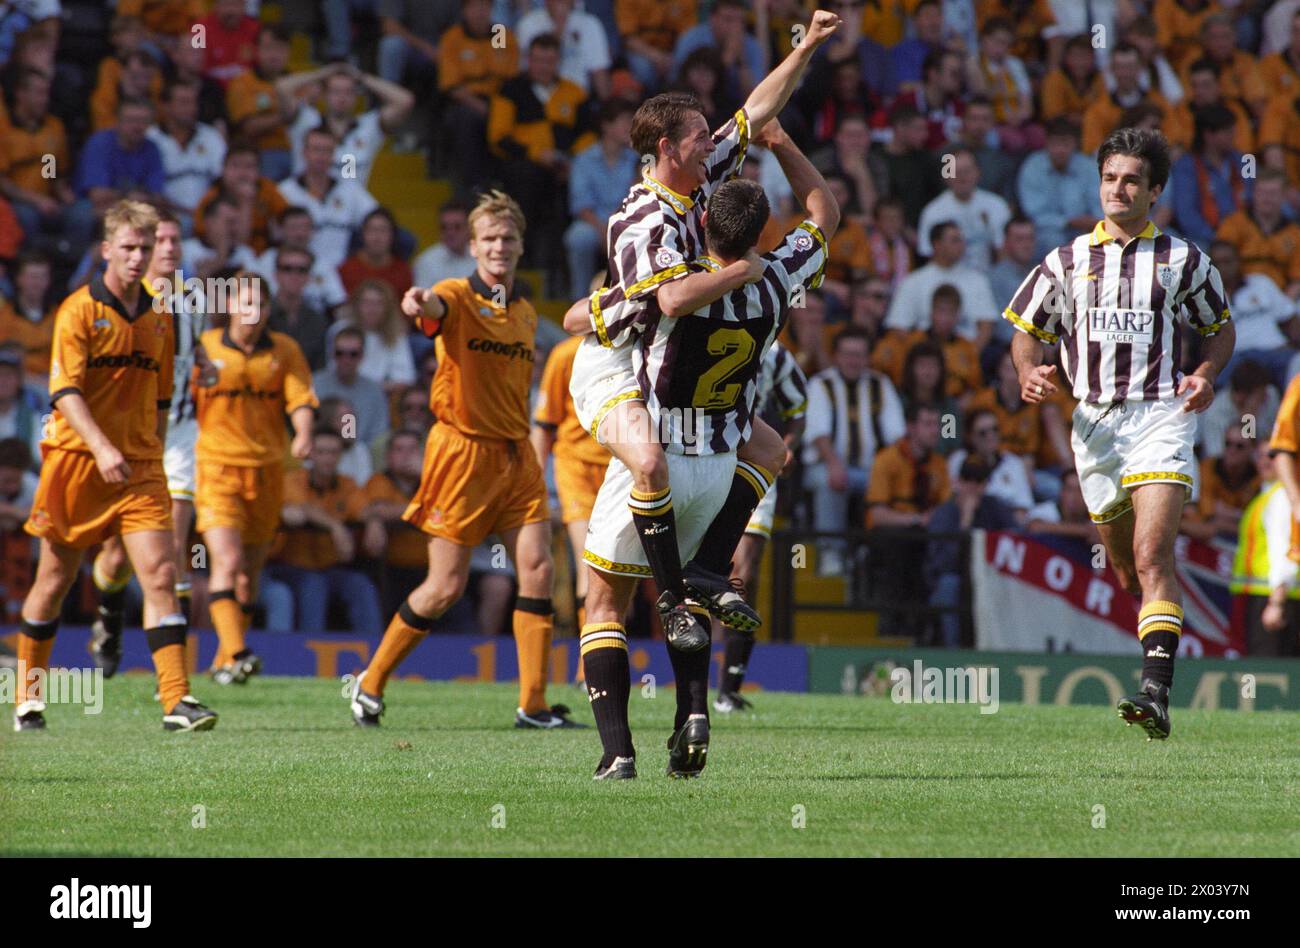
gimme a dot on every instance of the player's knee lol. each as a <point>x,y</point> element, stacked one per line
<point>437,596</point>
<point>161,579</point>
<point>1150,562</point>
<point>537,574</point>
<point>650,467</point>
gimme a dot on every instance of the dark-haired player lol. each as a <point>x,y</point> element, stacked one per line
<point>1114,298</point>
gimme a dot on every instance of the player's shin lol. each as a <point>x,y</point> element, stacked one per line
<point>35,643</point>
<point>407,630</point>
<point>656,525</point>
<point>691,674</point>
<point>534,621</point>
<point>167,645</point>
<point>604,656</point>
<point>737,648</point>
<point>228,621</point>
<point>112,595</point>
<point>1160,626</point>
<point>748,486</point>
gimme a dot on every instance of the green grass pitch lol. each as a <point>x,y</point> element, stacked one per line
<point>286,774</point>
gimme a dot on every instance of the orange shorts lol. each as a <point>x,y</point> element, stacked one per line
<point>75,507</point>
<point>577,483</point>
<point>471,488</point>
<point>1293,552</point>
<point>246,498</point>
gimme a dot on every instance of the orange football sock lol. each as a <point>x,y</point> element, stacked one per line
<point>533,623</point>
<point>228,620</point>
<point>35,643</point>
<point>404,633</point>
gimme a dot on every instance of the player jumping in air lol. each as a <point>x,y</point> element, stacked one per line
<point>651,242</point>
<point>1113,297</point>
<point>481,475</point>
<point>246,379</point>
<point>708,359</point>
<point>112,570</point>
<point>101,471</point>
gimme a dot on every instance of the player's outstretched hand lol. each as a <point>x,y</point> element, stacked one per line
<point>1037,385</point>
<point>823,25</point>
<point>754,264</point>
<point>112,465</point>
<point>413,301</point>
<point>1202,393</point>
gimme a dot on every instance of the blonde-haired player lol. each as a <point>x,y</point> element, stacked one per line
<point>480,475</point>
<point>101,471</point>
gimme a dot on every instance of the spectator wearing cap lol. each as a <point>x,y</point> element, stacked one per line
<point>1208,185</point>
<point>650,29</point>
<point>1249,400</point>
<point>980,214</point>
<point>292,311</point>
<point>853,413</point>
<point>536,123</point>
<point>975,504</point>
<point>1267,242</point>
<point>27,318</point>
<point>358,131</point>
<point>1019,255</point>
<point>337,206</point>
<point>598,183</point>
<point>192,152</point>
<point>911,305</point>
<point>40,201</point>
<point>257,198</point>
<point>1059,189</point>
<point>258,112</point>
<point>584,47</point>
<point>1261,312</point>
<point>343,379</point>
<point>471,70</point>
<point>231,40</point>
<point>742,55</point>
<point>1206,93</point>
<point>296,230</point>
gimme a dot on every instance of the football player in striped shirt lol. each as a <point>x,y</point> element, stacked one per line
<point>112,570</point>
<point>782,390</point>
<point>1114,298</point>
<point>651,243</point>
<point>702,366</point>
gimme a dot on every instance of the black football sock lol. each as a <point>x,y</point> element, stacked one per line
<point>748,486</point>
<point>737,649</point>
<point>691,673</point>
<point>656,525</point>
<point>609,684</point>
<point>1160,624</point>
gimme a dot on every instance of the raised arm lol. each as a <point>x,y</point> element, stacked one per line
<point>807,183</point>
<point>770,96</point>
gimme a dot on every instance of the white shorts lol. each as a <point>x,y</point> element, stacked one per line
<point>178,459</point>
<point>1120,446</point>
<point>602,379</point>
<point>700,486</point>
<point>761,521</point>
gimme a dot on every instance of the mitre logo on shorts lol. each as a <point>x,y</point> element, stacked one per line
<point>667,257</point>
<point>1120,325</point>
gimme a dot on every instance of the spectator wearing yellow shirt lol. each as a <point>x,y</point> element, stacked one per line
<point>28,318</point>
<point>536,124</point>
<point>164,19</point>
<point>258,114</point>
<point>1103,115</point>
<point>402,548</point>
<point>650,29</point>
<point>1239,74</point>
<point>138,78</point>
<point>960,357</point>
<point>1226,486</point>
<point>1068,89</point>
<point>1279,135</point>
<point>1178,24</point>
<point>1267,242</point>
<point>1205,91</point>
<point>33,148</point>
<point>1280,72</point>
<point>474,59</point>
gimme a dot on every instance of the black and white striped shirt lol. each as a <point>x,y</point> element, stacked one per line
<point>782,386</point>
<point>700,372</point>
<point>1116,309</point>
<point>656,232</point>
<point>191,317</point>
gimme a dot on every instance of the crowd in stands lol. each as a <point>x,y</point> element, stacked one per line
<point>959,136</point>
